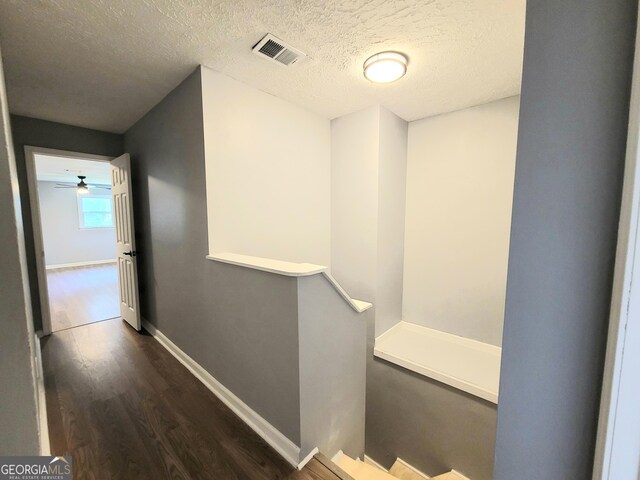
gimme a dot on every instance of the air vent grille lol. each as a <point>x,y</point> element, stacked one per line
<point>271,49</point>
<point>287,57</point>
<point>275,50</point>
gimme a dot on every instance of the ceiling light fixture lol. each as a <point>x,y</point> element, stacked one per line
<point>385,67</point>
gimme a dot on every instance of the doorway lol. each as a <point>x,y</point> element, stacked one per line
<point>75,239</point>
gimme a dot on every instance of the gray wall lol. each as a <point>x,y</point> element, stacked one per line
<point>432,426</point>
<point>573,124</point>
<point>41,133</point>
<point>64,240</point>
<point>282,345</point>
<point>240,324</point>
<point>18,413</point>
<point>332,341</point>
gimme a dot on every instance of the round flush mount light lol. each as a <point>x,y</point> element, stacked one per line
<point>385,67</point>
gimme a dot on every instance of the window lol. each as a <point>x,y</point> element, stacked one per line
<point>95,211</point>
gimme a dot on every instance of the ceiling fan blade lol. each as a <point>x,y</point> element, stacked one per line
<point>65,186</point>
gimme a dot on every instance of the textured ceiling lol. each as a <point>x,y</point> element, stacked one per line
<point>104,63</point>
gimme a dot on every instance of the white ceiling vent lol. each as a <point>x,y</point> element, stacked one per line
<point>275,50</point>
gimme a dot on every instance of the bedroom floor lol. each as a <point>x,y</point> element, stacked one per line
<point>82,295</point>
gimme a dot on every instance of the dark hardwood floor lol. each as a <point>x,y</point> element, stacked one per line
<point>124,408</point>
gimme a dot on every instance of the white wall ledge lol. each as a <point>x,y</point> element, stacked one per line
<point>289,269</point>
<point>468,365</point>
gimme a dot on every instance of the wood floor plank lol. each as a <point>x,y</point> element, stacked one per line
<point>85,465</point>
<point>164,459</point>
<point>82,295</point>
<point>154,425</point>
<point>113,422</point>
<point>124,408</point>
<point>238,440</point>
<point>57,437</point>
<point>315,470</point>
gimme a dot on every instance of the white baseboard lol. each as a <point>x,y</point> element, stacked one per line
<point>80,264</point>
<point>307,459</point>
<point>280,443</point>
<point>43,421</point>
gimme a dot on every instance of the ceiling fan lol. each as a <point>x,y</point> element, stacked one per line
<point>81,186</point>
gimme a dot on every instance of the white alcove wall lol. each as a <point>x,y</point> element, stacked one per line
<point>368,176</point>
<point>460,174</point>
<point>268,170</point>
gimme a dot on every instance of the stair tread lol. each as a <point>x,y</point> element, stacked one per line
<point>402,472</point>
<point>448,476</point>
<point>333,467</point>
<point>362,471</point>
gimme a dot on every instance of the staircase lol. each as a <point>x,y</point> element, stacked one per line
<point>400,470</point>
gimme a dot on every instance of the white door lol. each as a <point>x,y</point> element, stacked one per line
<point>125,240</point>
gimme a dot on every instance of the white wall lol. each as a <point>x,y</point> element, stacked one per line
<point>460,175</point>
<point>354,201</point>
<point>287,184</point>
<point>368,173</point>
<point>268,174</point>
<point>391,219</point>
<point>64,241</point>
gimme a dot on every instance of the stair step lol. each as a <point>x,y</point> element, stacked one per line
<point>452,475</point>
<point>360,470</point>
<point>402,471</point>
<point>333,467</point>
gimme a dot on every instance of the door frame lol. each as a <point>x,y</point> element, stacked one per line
<point>611,448</point>
<point>34,201</point>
